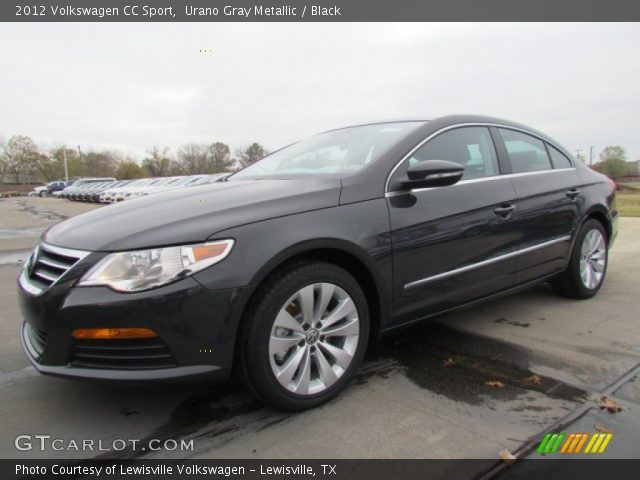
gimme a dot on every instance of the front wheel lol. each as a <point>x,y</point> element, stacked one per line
<point>304,336</point>
<point>588,263</point>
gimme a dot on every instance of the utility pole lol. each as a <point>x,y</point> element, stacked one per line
<point>578,154</point>
<point>590,156</point>
<point>64,155</point>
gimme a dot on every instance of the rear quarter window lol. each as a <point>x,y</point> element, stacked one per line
<point>527,153</point>
<point>558,158</point>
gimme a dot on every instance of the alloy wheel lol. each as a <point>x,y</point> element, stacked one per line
<point>314,338</point>
<point>593,259</point>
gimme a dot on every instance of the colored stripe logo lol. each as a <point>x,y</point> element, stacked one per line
<point>574,443</point>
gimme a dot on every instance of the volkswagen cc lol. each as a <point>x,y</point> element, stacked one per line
<point>281,274</point>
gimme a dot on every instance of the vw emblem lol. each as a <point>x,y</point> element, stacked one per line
<point>312,336</point>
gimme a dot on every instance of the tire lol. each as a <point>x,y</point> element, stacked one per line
<point>297,366</point>
<point>43,194</point>
<point>587,267</point>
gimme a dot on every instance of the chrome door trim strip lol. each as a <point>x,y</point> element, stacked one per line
<point>473,124</point>
<point>484,263</point>
<point>479,180</point>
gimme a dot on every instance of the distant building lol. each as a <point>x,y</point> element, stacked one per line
<point>633,168</point>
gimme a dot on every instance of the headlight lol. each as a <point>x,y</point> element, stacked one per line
<point>145,269</point>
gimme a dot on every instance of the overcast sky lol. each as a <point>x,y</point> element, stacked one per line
<point>132,86</point>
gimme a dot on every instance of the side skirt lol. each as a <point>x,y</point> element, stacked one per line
<point>473,303</point>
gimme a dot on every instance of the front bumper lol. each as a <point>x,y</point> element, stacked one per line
<point>196,372</point>
<point>196,331</point>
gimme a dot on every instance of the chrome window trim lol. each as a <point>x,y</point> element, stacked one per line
<point>478,124</point>
<point>478,180</point>
<point>484,263</point>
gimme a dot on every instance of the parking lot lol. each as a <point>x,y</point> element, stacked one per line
<point>469,385</point>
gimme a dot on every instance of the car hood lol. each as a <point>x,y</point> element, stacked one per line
<point>190,215</point>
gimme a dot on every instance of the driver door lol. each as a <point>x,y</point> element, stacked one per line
<point>451,244</point>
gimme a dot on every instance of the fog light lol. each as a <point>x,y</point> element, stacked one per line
<point>113,333</point>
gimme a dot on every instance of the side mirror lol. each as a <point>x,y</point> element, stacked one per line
<point>433,173</point>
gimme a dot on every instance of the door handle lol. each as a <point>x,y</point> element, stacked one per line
<point>504,210</point>
<point>572,193</point>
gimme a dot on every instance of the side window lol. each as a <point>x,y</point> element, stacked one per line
<point>472,147</point>
<point>558,158</point>
<point>527,153</point>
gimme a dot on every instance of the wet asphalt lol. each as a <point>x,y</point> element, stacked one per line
<point>468,385</point>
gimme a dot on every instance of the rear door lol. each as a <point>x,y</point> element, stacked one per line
<point>548,189</point>
<point>449,243</point>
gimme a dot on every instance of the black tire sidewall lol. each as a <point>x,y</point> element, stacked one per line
<point>256,341</point>
<point>581,289</point>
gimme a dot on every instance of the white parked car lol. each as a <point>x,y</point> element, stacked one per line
<point>150,186</point>
<point>119,194</point>
<point>38,192</point>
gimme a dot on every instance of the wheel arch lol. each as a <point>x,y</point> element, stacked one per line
<point>342,253</point>
<point>600,214</point>
<point>597,212</point>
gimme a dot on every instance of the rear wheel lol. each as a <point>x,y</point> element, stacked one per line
<point>304,336</point>
<point>43,193</point>
<point>587,265</point>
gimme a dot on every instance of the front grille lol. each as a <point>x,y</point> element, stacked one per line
<point>48,263</point>
<point>37,338</point>
<point>135,354</point>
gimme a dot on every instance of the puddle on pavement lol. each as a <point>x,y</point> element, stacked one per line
<point>213,417</point>
<point>435,357</point>
<point>466,367</point>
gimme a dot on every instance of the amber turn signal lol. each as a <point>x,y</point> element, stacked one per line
<point>113,333</point>
<point>204,252</point>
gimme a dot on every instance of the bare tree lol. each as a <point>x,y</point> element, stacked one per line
<point>75,165</point>
<point>48,168</point>
<point>3,164</point>
<point>612,151</point>
<point>613,162</point>
<point>157,161</point>
<point>194,158</point>
<point>221,160</point>
<point>250,154</point>
<point>101,163</point>
<point>19,157</point>
<point>129,169</point>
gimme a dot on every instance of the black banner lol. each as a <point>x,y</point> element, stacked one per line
<point>318,10</point>
<point>321,469</point>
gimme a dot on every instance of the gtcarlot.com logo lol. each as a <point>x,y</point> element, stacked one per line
<point>43,442</point>
<point>574,443</point>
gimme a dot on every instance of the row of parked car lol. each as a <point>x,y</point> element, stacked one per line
<point>110,190</point>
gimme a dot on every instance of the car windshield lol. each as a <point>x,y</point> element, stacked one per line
<point>338,152</point>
